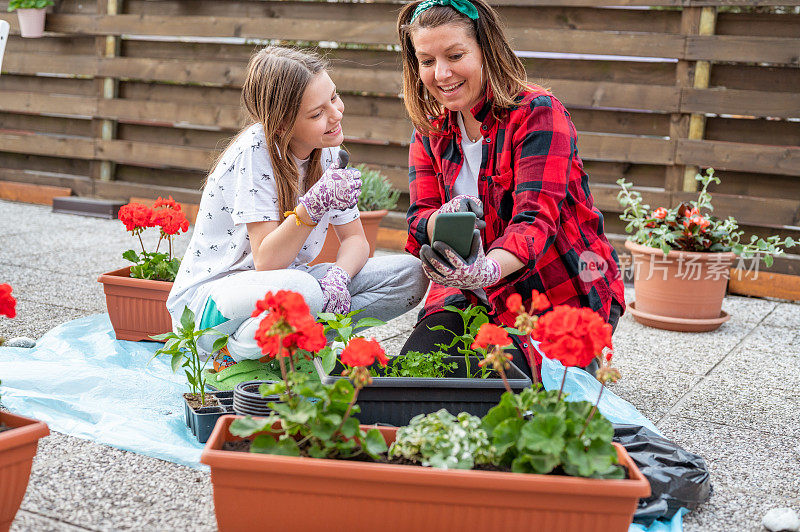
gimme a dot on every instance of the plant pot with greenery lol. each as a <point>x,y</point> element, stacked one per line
<point>420,383</point>
<point>31,15</point>
<point>376,200</point>
<point>682,259</point>
<point>202,408</point>
<point>136,296</point>
<point>19,437</point>
<point>311,452</point>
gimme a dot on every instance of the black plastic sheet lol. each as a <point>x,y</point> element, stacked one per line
<point>678,478</point>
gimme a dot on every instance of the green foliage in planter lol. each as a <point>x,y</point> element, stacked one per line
<point>182,347</point>
<point>154,266</point>
<point>472,318</point>
<point>416,364</point>
<point>376,191</point>
<point>444,441</point>
<point>345,327</point>
<point>313,417</point>
<point>536,431</point>
<point>28,4</point>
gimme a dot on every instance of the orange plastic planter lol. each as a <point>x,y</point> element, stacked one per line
<point>17,449</point>
<point>290,493</point>
<point>137,307</point>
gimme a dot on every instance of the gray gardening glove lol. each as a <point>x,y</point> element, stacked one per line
<point>334,289</point>
<point>466,203</point>
<point>444,266</point>
<point>338,188</point>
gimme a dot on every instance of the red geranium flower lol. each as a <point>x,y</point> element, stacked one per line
<point>136,216</point>
<point>170,221</point>
<point>169,203</point>
<point>363,352</point>
<point>8,305</point>
<point>490,334</point>
<point>540,301</point>
<point>660,213</point>
<point>288,318</point>
<point>572,335</point>
<point>514,303</point>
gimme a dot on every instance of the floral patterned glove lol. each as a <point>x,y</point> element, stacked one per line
<point>334,289</point>
<point>466,203</point>
<point>444,266</point>
<point>338,188</point>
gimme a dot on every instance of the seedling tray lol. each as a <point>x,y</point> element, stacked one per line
<point>395,400</point>
<point>202,421</point>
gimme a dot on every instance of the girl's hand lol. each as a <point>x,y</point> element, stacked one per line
<point>466,203</point>
<point>334,289</point>
<point>338,188</point>
<point>444,266</point>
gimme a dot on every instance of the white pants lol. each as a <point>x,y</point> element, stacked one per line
<point>385,288</point>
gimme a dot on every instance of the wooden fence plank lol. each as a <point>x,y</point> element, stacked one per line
<point>739,102</point>
<point>616,95</point>
<point>32,102</point>
<point>51,145</point>
<point>129,152</point>
<point>742,49</point>
<point>783,160</point>
<point>749,210</point>
<point>625,148</point>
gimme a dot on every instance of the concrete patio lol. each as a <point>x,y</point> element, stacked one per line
<point>732,395</point>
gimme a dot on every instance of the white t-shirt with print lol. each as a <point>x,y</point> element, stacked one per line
<point>240,190</point>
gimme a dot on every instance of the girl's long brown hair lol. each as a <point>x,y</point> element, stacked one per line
<point>273,89</point>
<point>506,75</point>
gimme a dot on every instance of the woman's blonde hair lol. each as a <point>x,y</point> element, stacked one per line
<point>273,89</point>
<point>505,73</point>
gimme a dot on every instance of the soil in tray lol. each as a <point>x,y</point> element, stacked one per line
<point>194,400</point>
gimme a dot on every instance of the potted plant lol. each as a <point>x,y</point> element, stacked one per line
<point>419,383</point>
<point>136,295</point>
<point>201,408</point>
<point>682,258</point>
<point>19,437</point>
<point>315,454</point>
<point>31,15</point>
<point>376,200</point>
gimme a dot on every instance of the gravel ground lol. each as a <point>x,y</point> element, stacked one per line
<point>705,391</point>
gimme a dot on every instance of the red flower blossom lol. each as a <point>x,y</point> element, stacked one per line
<point>168,203</point>
<point>288,318</point>
<point>136,216</point>
<point>660,213</point>
<point>540,301</point>
<point>514,303</point>
<point>170,221</point>
<point>490,334</point>
<point>8,305</point>
<point>363,352</point>
<point>572,335</point>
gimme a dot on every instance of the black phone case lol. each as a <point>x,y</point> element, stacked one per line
<point>455,229</point>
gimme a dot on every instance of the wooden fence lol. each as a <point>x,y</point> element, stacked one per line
<point>127,98</point>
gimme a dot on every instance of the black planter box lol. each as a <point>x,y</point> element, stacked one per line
<point>395,400</point>
<point>202,421</point>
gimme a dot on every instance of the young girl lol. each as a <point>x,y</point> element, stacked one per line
<point>266,208</point>
<point>490,142</point>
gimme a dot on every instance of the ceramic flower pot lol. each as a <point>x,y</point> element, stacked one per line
<point>31,22</point>
<point>370,220</point>
<point>137,307</point>
<point>680,291</point>
<point>17,449</point>
<point>318,494</point>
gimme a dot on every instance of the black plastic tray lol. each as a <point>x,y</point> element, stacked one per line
<point>395,400</point>
<point>202,421</point>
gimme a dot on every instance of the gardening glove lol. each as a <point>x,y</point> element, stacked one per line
<point>466,203</point>
<point>444,266</point>
<point>334,290</point>
<point>338,188</point>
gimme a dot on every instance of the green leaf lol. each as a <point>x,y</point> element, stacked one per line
<point>247,426</point>
<point>219,343</point>
<point>350,427</point>
<point>535,463</point>
<point>369,322</point>
<point>176,362</point>
<point>164,336</point>
<point>543,434</point>
<point>374,444</point>
<point>505,434</point>
<point>267,445</point>
<point>130,255</point>
<point>588,461</point>
<point>768,261</point>
<point>328,359</point>
<point>497,414</point>
<point>304,411</point>
<point>187,319</point>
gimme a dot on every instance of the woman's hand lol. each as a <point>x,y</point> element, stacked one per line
<point>338,188</point>
<point>444,266</point>
<point>334,290</point>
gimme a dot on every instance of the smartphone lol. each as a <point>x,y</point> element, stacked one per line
<point>455,229</point>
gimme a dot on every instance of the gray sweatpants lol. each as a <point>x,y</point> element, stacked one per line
<point>385,288</point>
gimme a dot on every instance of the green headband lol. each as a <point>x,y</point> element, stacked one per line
<point>464,7</point>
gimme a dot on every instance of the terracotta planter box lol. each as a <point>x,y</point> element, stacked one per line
<point>680,291</point>
<point>316,494</point>
<point>17,449</point>
<point>137,307</point>
<point>370,220</point>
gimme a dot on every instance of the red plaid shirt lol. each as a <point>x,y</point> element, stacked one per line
<point>537,206</point>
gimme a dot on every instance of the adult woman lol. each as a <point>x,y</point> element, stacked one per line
<point>486,140</point>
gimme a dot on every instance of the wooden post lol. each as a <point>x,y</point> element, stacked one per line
<point>105,46</point>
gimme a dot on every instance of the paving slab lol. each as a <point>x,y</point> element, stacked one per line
<point>34,318</point>
<point>55,288</point>
<point>27,521</point>
<point>652,392</point>
<point>785,315</point>
<point>774,368</point>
